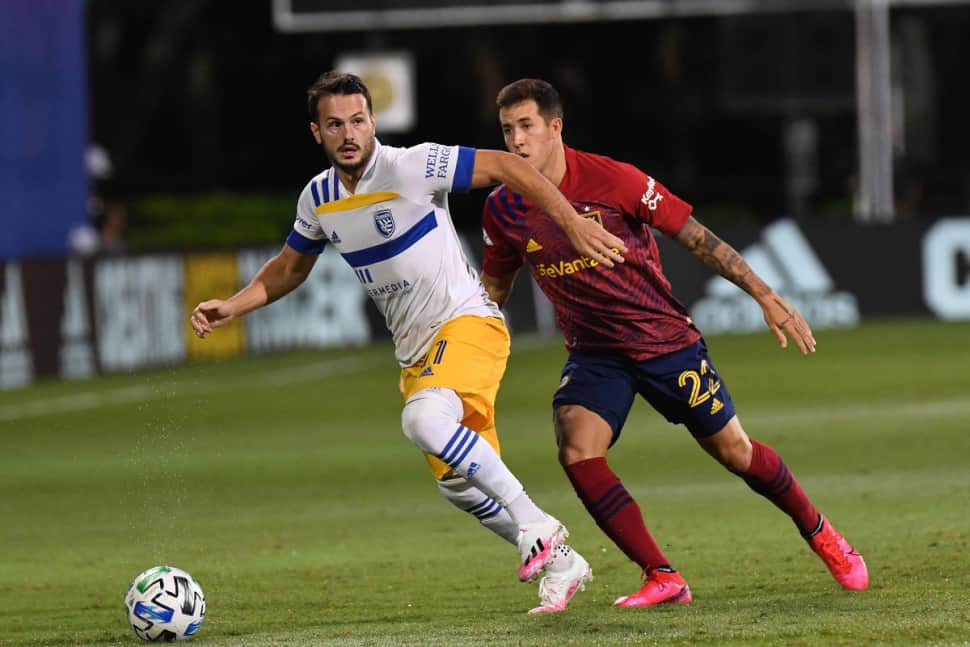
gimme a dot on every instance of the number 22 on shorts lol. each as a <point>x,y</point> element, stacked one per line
<point>697,397</point>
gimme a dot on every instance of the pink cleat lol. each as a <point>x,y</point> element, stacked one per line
<point>537,544</point>
<point>846,565</point>
<point>660,587</point>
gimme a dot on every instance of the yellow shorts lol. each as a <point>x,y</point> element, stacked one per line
<point>468,356</point>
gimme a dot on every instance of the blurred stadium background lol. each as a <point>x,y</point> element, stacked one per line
<point>151,156</point>
<point>153,151</point>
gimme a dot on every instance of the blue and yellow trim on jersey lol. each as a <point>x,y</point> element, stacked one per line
<point>321,189</point>
<point>390,249</point>
<point>356,201</point>
<point>329,188</point>
<point>326,200</point>
<point>376,253</point>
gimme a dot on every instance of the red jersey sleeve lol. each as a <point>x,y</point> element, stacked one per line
<point>500,256</point>
<point>650,201</point>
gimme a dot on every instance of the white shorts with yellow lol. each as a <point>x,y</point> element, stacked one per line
<point>468,356</point>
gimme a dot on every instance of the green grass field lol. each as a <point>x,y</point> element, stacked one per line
<point>284,485</point>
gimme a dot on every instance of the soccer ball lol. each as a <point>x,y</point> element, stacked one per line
<point>165,604</point>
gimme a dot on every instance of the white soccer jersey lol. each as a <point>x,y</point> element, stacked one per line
<point>397,234</point>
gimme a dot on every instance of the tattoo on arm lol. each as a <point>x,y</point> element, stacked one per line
<point>721,257</point>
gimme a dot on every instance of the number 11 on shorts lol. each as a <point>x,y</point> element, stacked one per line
<point>439,353</point>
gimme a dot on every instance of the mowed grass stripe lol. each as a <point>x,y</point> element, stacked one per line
<point>310,520</point>
<point>83,401</point>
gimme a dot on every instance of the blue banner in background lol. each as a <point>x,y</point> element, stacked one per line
<point>43,125</point>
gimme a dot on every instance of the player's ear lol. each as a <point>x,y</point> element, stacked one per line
<point>556,125</point>
<point>315,129</point>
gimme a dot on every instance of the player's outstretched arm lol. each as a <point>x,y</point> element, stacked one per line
<point>782,318</point>
<point>498,287</point>
<point>587,236</point>
<point>278,277</point>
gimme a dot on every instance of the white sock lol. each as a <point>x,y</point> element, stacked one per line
<point>430,419</point>
<point>489,512</point>
<point>524,511</point>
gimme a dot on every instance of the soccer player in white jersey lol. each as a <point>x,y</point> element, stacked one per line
<point>385,210</point>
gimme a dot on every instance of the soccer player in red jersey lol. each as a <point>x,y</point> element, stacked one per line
<point>626,334</point>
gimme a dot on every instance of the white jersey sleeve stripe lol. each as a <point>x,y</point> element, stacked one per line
<point>390,249</point>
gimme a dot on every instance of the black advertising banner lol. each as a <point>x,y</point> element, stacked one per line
<point>835,273</point>
<point>57,300</point>
<point>75,318</point>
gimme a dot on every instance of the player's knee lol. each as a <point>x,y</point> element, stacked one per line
<point>428,414</point>
<point>580,434</point>
<point>457,489</point>
<point>740,456</point>
<point>565,418</point>
<point>731,447</point>
<point>453,482</point>
<point>569,454</point>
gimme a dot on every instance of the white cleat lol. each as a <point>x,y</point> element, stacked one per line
<point>536,545</point>
<point>557,589</point>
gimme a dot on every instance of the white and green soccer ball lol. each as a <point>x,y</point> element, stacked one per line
<point>165,604</point>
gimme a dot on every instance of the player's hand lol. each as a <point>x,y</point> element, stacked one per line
<point>592,240</point>
<point>209,315</point>
<point>783,319</point>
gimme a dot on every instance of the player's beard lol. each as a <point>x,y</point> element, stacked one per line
<point>366,150</point>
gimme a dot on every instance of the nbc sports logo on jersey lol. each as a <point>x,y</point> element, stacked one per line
<point>384,223</point>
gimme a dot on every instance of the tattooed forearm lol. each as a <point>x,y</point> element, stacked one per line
<point>721,257</point>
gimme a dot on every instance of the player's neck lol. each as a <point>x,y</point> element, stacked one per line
<point>350,176</point>
<point>350,180</point>
<point>555,167</point>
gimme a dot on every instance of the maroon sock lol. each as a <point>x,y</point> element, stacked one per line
<point>615,511</point>
<point>769,476</point>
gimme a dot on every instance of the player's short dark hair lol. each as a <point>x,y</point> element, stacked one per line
<point>542,92</point>
<point>330,83</point>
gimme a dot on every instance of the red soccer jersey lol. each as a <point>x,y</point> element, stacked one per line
<point>628,310</point>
